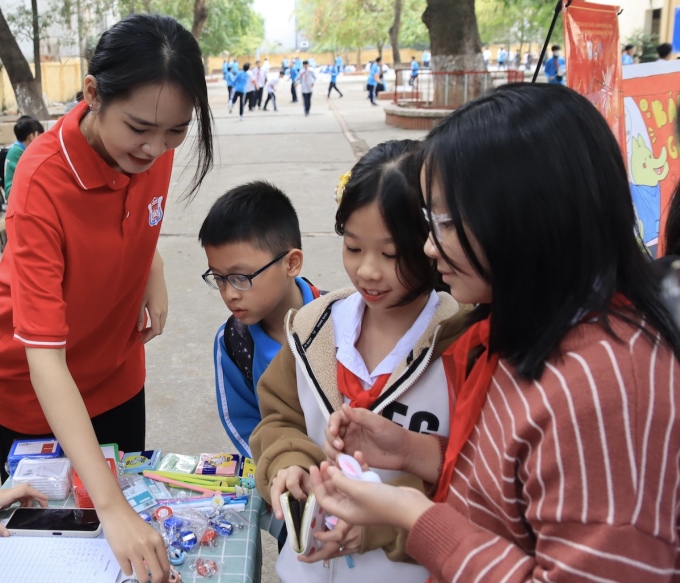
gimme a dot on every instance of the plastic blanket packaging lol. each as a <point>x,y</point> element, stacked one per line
<point>51,476</point>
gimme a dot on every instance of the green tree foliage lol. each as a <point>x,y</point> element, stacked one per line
<point>517,22</point>
<point>335,25</point>
<point>232,25</point>
<point>21,22</point>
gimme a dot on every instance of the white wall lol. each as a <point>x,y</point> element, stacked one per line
<point>634,16</point>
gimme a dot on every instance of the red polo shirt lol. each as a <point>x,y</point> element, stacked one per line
<point>80,240</point>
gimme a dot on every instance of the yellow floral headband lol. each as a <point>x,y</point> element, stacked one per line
<point>340,188</point>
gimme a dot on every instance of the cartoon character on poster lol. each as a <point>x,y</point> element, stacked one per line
<point>651,93</point>
<point>646,171</point>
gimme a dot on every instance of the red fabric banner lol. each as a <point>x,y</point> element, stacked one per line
<point>591,35</point>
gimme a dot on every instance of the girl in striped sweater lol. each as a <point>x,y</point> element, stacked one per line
<point>562,461</point>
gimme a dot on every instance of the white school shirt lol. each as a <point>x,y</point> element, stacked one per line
<point>271,85</point>
<point>347,316</point>
<point>307,79</point>
<point>250,84</point>
<point>260,76</point>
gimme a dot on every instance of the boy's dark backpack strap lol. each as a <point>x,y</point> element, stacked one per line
<point>240,346</point>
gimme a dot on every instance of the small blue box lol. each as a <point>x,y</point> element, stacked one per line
<point>32,448</point>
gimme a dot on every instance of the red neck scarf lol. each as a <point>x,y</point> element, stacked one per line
<point>470,390</point>
<point>350,386</point>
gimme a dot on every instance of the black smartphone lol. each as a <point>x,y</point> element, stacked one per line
<point>78,522</point>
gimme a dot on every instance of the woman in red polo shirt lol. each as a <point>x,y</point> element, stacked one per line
<point>81,273</point>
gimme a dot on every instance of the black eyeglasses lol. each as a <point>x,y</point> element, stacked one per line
<point>240,281</point>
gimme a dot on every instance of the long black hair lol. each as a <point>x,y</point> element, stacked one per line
<point>535,174</point>
<point>389,175</point>
<point>145,49</point>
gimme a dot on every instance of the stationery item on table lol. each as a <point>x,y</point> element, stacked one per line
<point>137,461</point>
<point>219,464</point>
<point>178,484</point>
<point>247,469</point>
<point>136,492</point>
<point>110,450</point>
<point>200,479</point>
<point>51,476</point>
<point>80,494</point>
<point>158,490</point>
<point>57,559</point>
<point>175,462</point>
<point>34,448</point>
<point>303,519</point>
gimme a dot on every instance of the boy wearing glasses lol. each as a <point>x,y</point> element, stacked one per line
<point>252,241</point>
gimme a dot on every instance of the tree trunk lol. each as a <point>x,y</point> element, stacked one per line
<point>379,46</point>
<point>394,33</point>
<point>200,16</point>
<point>29,98</point>
<point>394,41</point>
<point>358,59</point>
<point>456,46</point>
<point>36,45</point>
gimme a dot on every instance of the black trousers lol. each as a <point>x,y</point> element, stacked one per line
<point>307,98</point>
<point>293,93</point>
<point>372,92</point>
<point>241,99</point>
<point>258,96</point>
<point>124,425</point>
<point>333,86</point>
<point>270,97</point>
<point>250,97</point>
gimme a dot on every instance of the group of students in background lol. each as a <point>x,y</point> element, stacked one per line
<point>247,86</point>
<point>505,358</point>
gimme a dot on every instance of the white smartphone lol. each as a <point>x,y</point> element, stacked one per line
<point>76,522</point>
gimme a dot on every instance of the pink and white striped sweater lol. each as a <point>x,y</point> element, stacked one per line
<point>571,478</point>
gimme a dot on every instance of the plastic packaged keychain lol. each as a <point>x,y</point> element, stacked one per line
<point>204,567</point>
<point>209,538</point>
<point>176,556</point>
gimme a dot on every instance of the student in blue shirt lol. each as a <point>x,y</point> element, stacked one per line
<point>373,80</point>
<point>229,77</point>
<point>334,71</point>
<point>284,64</point>
<point>252,241</point>
<point>628,55</point>
<point>555,67</point>
<point>339,63</point>
<point>240,82</point>
<point>293,77</point>
<point>414,71</point>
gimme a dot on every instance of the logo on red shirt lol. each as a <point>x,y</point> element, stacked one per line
<point>155,211</point>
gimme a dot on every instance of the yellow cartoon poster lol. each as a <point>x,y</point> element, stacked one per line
<point>651,92</point>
